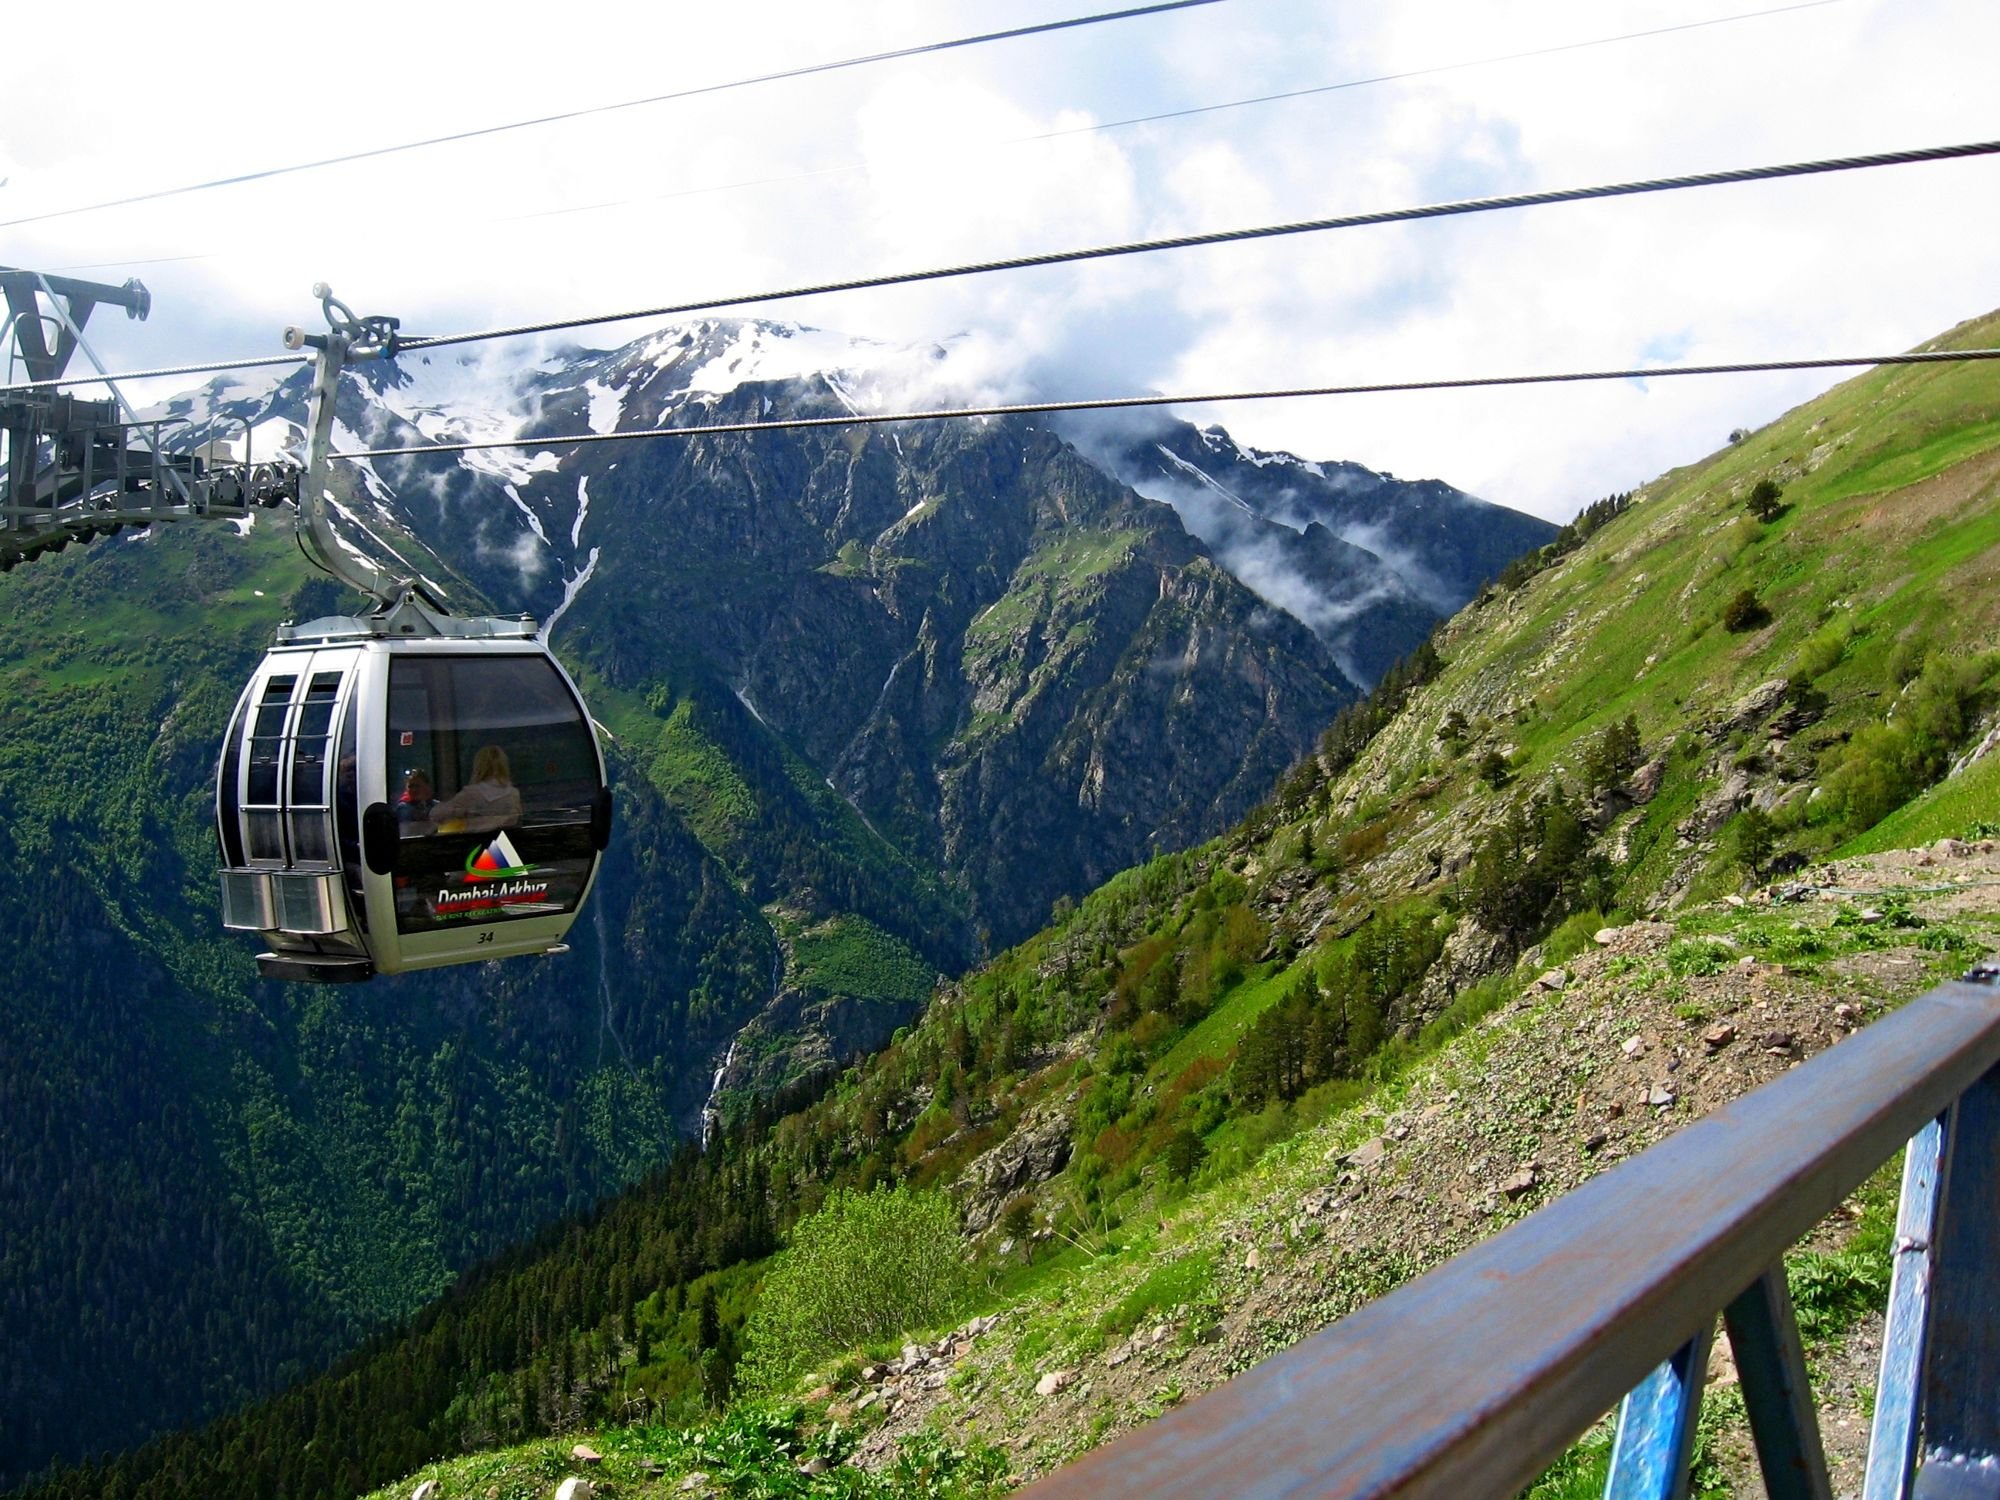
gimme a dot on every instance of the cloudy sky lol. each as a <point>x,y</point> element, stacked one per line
<point>1024,146</point>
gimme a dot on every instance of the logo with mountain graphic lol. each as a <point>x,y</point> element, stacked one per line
<point>495,861</point>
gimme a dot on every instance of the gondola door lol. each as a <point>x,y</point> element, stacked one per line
<point>279,788</point>
<point>493,805</point>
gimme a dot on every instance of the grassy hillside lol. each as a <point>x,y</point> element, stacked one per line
<point>1234,1091</point>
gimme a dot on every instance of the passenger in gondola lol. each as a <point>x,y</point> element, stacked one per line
<point>414,806</point>
<point>485,804</point>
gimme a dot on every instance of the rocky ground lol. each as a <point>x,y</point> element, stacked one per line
<point>1599,1058</point>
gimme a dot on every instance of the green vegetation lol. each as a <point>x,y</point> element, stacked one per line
<point>1884,765</point>
<point>756,1450</point>
<point>1764,499</point>
<point>849,955</point>
<point>1173,1034</point>
<point>1744,611</point>
<point>863,1267</point>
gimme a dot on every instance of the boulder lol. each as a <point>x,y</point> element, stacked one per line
<point>1367,1153</point>
<point>1035,1150</point>
<point>1755,706</point>
<point>1644,783</point>
<point>1521,1182</point>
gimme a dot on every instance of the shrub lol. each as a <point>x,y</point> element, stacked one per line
<point>1184,1154</point>
<point>1752,838</point>
<point>1820,652</point>
<point>1884,765</point>
<point>866,1266</point>
<point>1745,612</point>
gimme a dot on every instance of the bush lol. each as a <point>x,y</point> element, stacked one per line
<point>1752,838</point>
<point>1820,652</point>
<point>865,1267</point>
<point>1184,1154</point>
<point>1745,612</point>
<point>1884,765</point>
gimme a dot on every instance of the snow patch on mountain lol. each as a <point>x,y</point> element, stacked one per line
<point>1199,476</point>
<point>605,405</point>
<point>509,465</point>
<point>534,521</point>
<point>571,588</point>
<point>582,510</point>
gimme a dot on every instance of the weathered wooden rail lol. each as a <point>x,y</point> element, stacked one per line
<point>1474,1378</point>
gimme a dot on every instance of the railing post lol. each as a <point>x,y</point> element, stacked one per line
<point>1892,1441</point>
<point>1655,1444</point>
<point>1961,1385</point>
<point>1764,1337</point>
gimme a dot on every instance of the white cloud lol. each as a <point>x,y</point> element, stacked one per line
<point>923,161</point>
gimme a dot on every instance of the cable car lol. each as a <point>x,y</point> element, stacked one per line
<point>402,789</point>
<point>389,801</point>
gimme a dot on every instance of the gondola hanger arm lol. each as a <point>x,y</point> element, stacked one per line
<point>348,338</point>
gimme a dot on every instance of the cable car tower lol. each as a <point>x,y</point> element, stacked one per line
<point>77,469</point>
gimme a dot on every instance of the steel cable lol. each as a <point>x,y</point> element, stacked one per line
<point>1237,236</point>
<point>1140,247</point>
<point>1118,403</point>
<point>600,109</point>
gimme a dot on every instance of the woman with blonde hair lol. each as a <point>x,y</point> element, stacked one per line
<point>488,802</point>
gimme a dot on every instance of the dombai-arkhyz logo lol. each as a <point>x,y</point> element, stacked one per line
<point>496,861</point>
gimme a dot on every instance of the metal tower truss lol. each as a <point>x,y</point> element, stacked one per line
<point>77,469</point>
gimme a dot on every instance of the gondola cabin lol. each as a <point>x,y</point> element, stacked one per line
<point>388,802</point>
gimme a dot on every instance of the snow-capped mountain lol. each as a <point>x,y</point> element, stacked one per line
<point>1364,560</point>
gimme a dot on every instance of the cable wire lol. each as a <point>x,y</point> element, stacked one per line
<point>1234,236</point>
<point>253,363</point>
<point>1141,247</point>
<point>1010,34</point>
<point>1189,112</point>
<point>1119,403</point>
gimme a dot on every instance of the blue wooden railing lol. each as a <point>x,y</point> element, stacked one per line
<point>1474,1378</point>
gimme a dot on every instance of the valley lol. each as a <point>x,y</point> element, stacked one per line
<point>872,708</point>
<point>1716,782</point>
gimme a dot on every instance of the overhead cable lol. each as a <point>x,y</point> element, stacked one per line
<point>252,363</point>
<point>1189,112</point>
<point>955,43</point>
<point>1143,247</point>
<point>1120,403</point>
<point>1234,236</point>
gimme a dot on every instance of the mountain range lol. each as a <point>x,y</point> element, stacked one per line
<point>876,699</point>
<point>1603,852</point>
